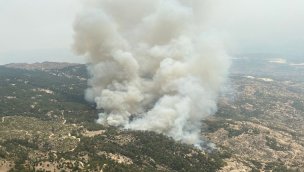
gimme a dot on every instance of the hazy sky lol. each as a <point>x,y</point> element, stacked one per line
<point>262,26</point>
<point>39,30</point>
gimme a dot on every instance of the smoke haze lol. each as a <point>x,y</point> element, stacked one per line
<point>154,65</point>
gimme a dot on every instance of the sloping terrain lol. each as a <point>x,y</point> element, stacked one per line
<point>47,125</point>
<point>261,121</point>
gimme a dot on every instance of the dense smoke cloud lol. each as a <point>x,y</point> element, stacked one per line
<point>152,64</point>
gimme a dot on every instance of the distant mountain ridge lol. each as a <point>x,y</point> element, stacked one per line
<point>41,66</point>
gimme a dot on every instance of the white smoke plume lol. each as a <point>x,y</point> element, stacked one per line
<point>152,65</point>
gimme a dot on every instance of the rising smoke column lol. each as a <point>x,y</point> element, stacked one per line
<point>152,66</point>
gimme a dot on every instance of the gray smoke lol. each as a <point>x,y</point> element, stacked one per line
<point>153,66</point>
